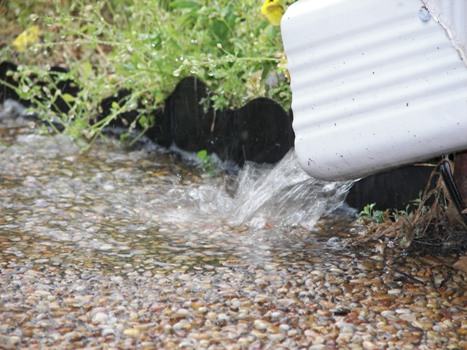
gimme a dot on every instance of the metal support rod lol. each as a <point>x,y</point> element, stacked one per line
<point>460,174</point>
<point>451,186</point>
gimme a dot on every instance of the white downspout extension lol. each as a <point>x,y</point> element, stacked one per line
<point>376,84</point>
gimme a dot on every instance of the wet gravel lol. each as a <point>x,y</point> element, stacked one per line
<point>100,250</point>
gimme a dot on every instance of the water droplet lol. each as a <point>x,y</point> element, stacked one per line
<point>194,41</point>
<point>176,72</point>
<point>194,70</point>
<point>211,73</point>
<point>424,14</point>
<point>33,17</point>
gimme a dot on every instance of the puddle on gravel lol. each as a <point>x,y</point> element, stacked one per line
<point>141,210</point>
<point>138,250</point>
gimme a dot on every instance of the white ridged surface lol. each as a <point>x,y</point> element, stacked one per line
<point>373,85</point>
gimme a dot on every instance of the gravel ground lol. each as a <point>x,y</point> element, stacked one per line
<point>98,252</point>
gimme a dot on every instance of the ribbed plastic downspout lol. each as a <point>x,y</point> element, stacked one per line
<point>375,83</point>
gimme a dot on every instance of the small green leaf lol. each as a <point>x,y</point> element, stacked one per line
<point>68,98</point>
<point>184,4</point>
<point>143,121</point>
<point>203,154</point>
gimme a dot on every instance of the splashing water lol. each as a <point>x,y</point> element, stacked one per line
<point>285,193</point>
<point>269,195</point>
<point>260,196</point>
<point>109,199</point>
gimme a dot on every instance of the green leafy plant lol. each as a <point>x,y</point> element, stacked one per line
<point>146,46</point>
<point>207,162</point>
<point>369,213</point>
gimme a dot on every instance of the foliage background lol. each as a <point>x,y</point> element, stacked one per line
<point>146,46</point>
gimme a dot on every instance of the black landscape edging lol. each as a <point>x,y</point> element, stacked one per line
<point>260,131</point>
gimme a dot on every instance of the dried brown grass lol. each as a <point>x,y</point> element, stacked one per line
<point>434,227</point>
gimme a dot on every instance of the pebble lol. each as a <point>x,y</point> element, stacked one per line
<point>425,325</point>
<point>261,325</point>
<point>389,314</point>
<point>9,342</point>
<point>132,332</point>
<point>395,291</point>
<point>182,325</point>
<point>408,317</point>
<point>108,331</point>
<point>100,317</point>
<point>222,319</point>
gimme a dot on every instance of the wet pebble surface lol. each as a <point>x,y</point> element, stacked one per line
<point>97,252</point>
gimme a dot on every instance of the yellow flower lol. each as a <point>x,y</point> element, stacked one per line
<point>273,10</point>
<point>26,38</point>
